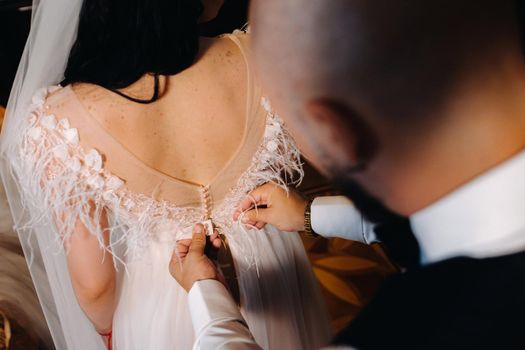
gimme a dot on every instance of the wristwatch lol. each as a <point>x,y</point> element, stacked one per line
<point>308,220</point>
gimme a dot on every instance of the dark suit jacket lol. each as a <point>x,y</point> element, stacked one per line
<point>461,303</point>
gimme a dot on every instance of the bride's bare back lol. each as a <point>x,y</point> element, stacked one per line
<point>127,178</point>
<point>168,150</point>
<point>195,127</point>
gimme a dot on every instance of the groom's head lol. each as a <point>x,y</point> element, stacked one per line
<point>410,98</point>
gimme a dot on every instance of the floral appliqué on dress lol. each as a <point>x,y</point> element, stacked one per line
<point>70,183</point>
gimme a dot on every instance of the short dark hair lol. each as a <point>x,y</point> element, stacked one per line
<point>119,41</point>
<point>412,53</point>
<point>520,5</point>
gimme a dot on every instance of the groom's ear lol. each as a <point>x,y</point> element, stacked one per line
<point>341,132</point>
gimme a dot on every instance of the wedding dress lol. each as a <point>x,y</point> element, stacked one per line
<point>71,168</point>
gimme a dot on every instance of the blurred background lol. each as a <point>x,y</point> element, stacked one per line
<point>348,272</point>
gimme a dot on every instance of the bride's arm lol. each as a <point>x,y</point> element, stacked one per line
<point>93,275</point>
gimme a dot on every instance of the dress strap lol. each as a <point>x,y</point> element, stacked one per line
<point>240,38</point>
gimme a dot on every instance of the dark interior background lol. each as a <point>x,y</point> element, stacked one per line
<point>15,19</point>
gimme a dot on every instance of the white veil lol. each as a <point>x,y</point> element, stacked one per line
<point>53,31</point>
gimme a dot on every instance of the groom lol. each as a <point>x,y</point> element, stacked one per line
<point>419,105</point>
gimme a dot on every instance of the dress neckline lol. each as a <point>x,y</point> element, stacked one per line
<point>161,174</point>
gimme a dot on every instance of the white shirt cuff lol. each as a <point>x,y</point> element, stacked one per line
<point>217,320</point>
<point>209,301</point>
<point>336,216</point>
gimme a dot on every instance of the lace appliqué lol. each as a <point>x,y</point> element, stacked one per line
<point>70,184</point>
<point>277,160</point>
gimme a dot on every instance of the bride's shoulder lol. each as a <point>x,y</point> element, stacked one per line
<point>223,60</point>
<point>55,100</point>
<point>45,103</point>
<point>48,122</point>
<point>51,97</point>
<point>64,98</point>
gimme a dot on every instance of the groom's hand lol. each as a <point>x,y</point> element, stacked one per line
<point>189,264</point>
<point>284,210</point>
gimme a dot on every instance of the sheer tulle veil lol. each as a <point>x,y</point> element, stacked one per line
<point>53,31</point>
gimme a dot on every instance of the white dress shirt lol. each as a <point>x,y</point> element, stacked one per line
<point>481,219</point>
<point>484,218</point>
<point>336,216</point>
<point>217,321</point>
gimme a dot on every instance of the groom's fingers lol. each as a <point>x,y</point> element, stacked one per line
<point>198,242</point>
<point>215,239</point>
<point>182,247</point>
<point>256,217</point>
<point>175,266</point>
<point>259,196</point>
<point>252,200</point>
<point>216,243</point>
<point>260,224</point>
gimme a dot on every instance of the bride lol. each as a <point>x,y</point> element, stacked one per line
<point>123,130</point>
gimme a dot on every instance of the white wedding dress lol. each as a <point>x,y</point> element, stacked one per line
<point>71,168</point>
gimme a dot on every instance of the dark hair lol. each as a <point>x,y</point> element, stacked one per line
<point>408,56</point>
<point>119,41</point>
<point>520,5</point>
